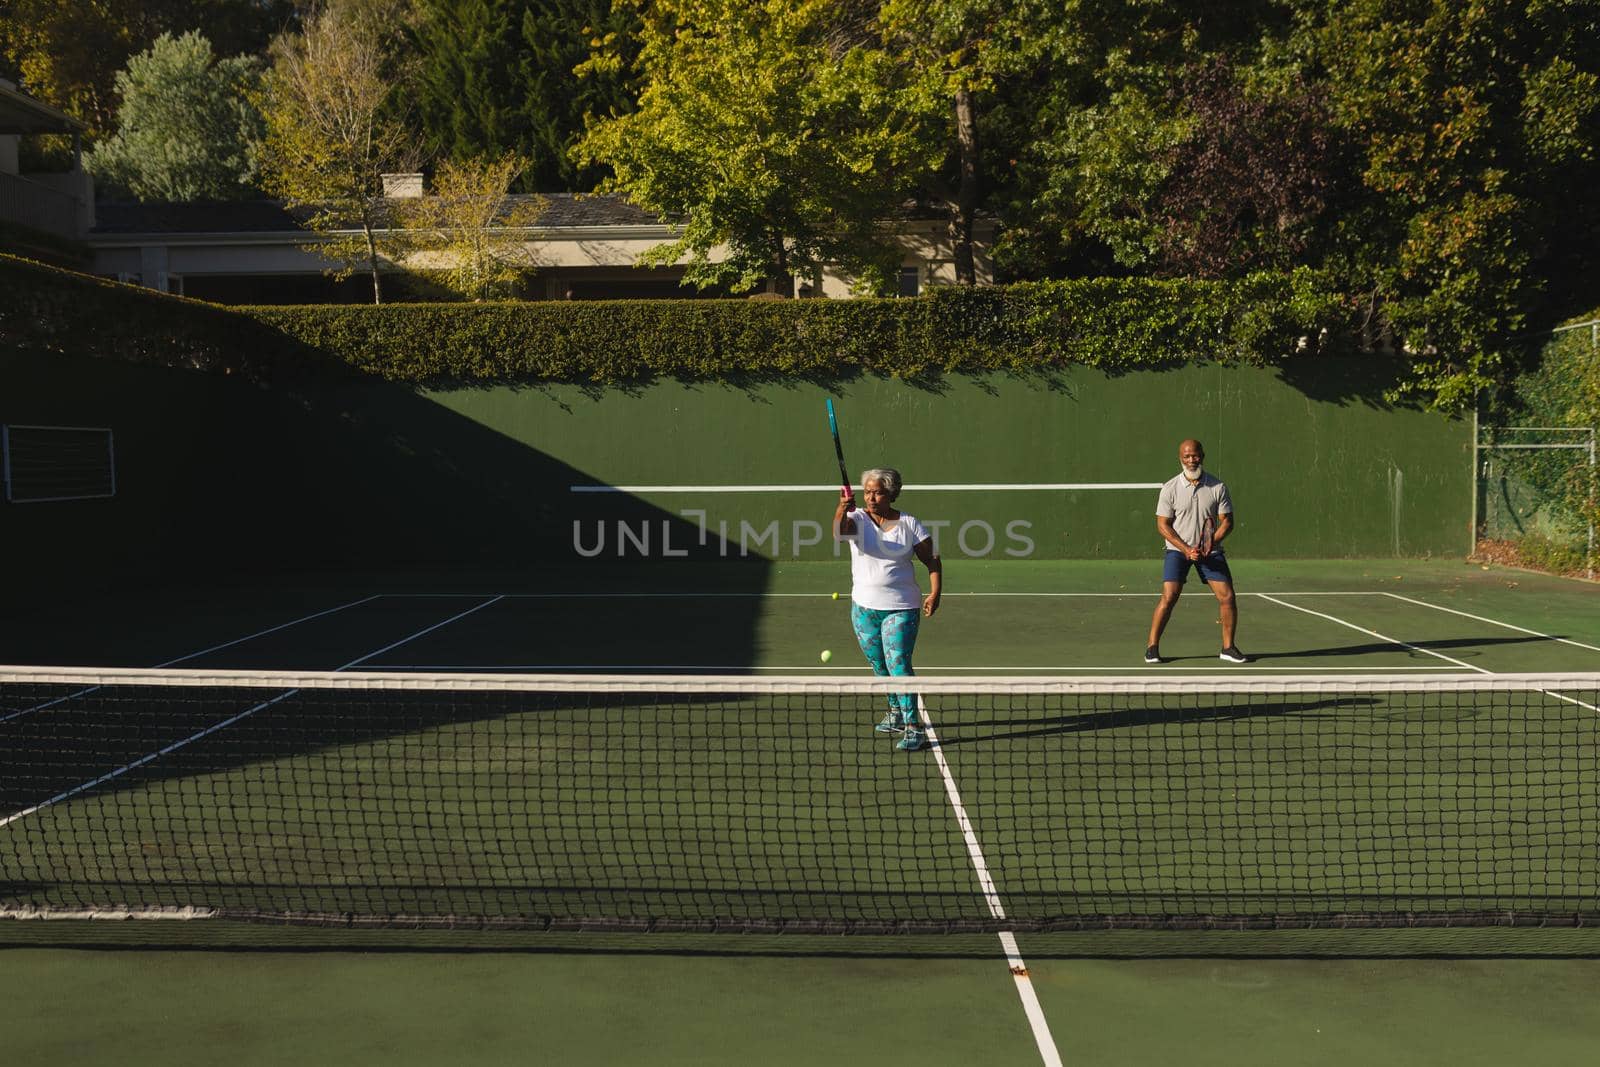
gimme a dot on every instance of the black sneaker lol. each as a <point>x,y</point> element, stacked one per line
<point>1152,654</point>
<point>1233,655</point>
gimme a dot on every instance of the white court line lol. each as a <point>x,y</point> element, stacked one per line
<point>142,760</point>
<point>823,596</point>
<point>1019,970</point>
<point>1427,651</point>
<point>1023,487</point>
<point>1030,1001</point>
<point>1494,622</point>
<point>202,652</point>
<point>269,630</point>
<point>420,633</point>
<point>1381,637</point>
<point>1178,666</point>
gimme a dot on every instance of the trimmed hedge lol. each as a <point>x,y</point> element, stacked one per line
<point>46,309</point>
<point>1112,324</point>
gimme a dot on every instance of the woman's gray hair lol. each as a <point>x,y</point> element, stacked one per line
<point>888,477</point>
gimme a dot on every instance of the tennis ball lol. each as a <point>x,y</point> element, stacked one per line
<point>826,655</point>
<point>836,595</point>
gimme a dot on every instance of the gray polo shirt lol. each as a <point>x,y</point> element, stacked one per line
<point>1189,505</point>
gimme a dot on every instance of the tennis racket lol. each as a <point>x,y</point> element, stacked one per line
<point>838,450</point>
<point>1206,533</point>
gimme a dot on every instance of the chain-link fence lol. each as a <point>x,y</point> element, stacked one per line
<point>1537,484</point>
<point>1536,490</point>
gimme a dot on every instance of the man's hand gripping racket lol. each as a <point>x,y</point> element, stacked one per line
<point>1207,533</point>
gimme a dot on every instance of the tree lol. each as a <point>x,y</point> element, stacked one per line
<point>1096,130</point>
<point>958,50</point>
<point>185,124</point>
<point>334,128</point>
<point>68,52</point>
<point>1211,170</point>
<point>1478,131</point>
<point>468,226</point>
<point>1436,159</point>
<point>558,38</point>
<point>768,140</point>
<point>499,76</point>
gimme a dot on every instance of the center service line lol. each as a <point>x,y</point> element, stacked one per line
<point>991,896</point>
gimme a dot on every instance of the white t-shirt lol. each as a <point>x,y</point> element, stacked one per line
<point>882,568</point>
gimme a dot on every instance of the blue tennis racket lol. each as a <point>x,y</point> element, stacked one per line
<point>838,449</point>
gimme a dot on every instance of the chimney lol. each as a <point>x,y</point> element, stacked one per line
<point>402,186</point>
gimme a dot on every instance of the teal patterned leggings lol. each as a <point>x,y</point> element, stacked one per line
<point>888,638</point>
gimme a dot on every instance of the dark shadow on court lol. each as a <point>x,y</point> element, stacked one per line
<point>308,473</point>
<point>205,937</point>
<point>1466,644</point>
<point>957,730</point>
<point>313,474</point>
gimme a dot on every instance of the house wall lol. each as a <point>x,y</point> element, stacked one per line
<point>572,258</point>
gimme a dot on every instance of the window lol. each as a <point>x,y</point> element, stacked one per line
<point>910,281</point>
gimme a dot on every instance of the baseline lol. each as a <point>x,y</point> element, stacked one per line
<point>743,668</point>
<point>640,595</point>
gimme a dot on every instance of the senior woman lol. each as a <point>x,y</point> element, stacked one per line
<point>886,605</point>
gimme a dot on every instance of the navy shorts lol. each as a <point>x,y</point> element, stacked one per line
<point>1212,568</point>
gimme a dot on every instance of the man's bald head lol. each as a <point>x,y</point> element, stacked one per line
<point>1192,455</point>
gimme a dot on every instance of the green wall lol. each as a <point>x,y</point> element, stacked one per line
<point>1315,470</point>
<point>216,472</point>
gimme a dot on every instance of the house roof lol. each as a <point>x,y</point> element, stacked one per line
<point>271,216</point>
<point>21,113</point>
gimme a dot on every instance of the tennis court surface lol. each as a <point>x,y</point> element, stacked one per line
<point>657,758</point>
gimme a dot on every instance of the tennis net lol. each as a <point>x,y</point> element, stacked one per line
<point>772,804</point>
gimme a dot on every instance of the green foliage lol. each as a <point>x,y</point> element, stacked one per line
<point>1477,126</point>
<point>46,309</point>
<point>774,139</point>
<point>1032,328</point>
<point>1436,158</point>
<point>334,128</point>
<point>1556,555</point>
<point>500,76</point>
<point>1563,389</point>
<point>467,229</point>
<point>68,52</point>
<point>185,124</point>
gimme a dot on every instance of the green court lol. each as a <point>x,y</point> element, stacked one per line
<point>1021,772</point>
<point>1082,617</point>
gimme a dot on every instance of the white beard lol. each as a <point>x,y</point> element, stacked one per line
<point>1193,475</point>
